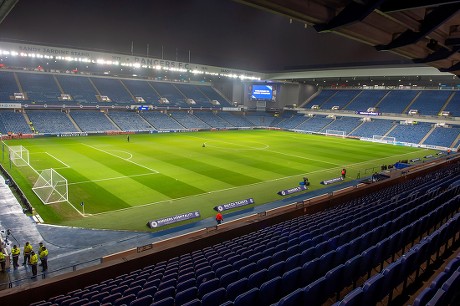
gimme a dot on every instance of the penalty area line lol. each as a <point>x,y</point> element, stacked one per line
<point>127,160</point>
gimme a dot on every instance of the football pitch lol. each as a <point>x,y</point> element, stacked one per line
<point>125,184</point>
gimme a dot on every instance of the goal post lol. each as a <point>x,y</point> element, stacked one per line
<point>19,156</point>
<point>384,139</point>
<point>51,187</point>
<point>335,133</point>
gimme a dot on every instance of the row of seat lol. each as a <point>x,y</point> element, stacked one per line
<point>277,260</point>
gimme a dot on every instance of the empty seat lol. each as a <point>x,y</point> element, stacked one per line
<point>215,297</point>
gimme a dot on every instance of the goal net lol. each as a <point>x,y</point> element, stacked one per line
<point>384,139</point>
<point>51,187</point>
<point>335,133</point>
<point>19,156</point>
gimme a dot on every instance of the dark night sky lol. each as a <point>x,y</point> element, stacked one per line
<point>217,32</point>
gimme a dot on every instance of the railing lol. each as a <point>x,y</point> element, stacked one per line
<point>16,282</point>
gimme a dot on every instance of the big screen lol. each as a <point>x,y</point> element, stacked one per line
<point>262,92</point>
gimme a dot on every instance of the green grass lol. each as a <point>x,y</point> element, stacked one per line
<point>124,185</point>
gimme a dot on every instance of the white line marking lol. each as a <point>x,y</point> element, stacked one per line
<point>254,184</point>
<point>58,160</point>
<point>130,161</point>
<point>111,178</point>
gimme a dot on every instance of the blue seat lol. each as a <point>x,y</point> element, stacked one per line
<point>295,298</point>
<point>236,288</point>
<point>269,291</point>
<point>147,291</point>
<point>124,300</point>
<point>208,286</point>
<point>353,298</point>
<point>335,279</point>
<point>452,285</point>
<point>276,269</point>
<point>143,301</point>
<point>250,297</point>
<point>290,280</point>
<point>425,296</point>
<point>223,269</point>
<point>110,299</point>
<point>314,292</point>
<point>168,301</point>
<point>438,299</point>
<point>79,302</point>
<point>195,302</point>
<point>393,274</point>
<point>161,294</point>
<point>228,278</point>
<point>185,296</point>
<point>216,297</point>
<point>264,262</point>
<point>167,283</point>
<point>120,289</point>
<point>292,262</point>
<point>373,290</point>
<point>257,278</point>
<point>247,270</point>
<point>132,290</point>
<point>200,278</point>
<point>98,297</point>
<point>310,272</point>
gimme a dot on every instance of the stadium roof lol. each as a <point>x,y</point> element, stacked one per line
<point>262,35</point>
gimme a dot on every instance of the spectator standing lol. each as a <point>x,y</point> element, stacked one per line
<point>40,249</point>
<point>219,218</point>
<point>44,258</point>
<point>33,263</point>
<point>2,261</point>
<point>27,251</point>
<point>15,252</point>
<point>344,173</point>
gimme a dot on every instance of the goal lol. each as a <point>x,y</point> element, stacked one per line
<point>19,156</point>
<point>51,187</point>
<point>384,139</point>
<point>335,133</point>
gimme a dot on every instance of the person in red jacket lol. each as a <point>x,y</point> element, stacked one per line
<point>219,218</point>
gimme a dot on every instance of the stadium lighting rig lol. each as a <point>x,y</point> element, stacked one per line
<point>101,61</point>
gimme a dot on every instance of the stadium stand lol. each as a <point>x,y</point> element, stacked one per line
<point>356,252</point>
<point>262,120</point>
<point>79,88</point>
<point>13,122</point>
<point>366,99</point>
<point>113,89</point>
<point>430,102</point>
<point>315,124</point>
<point>412,133</point>
<point>341,99</point>
<point>129,121</point>
<point>235,119</point>
<point>454,105</point>
<point>169,92</point>
<point>323,96</point>
<point>162,121</point>
<point>444,137</point>
<point>374,127</point>
<point>189,120</point>
<point>212,120</point>
<point>8,86</point>
<point>346,124</point>
<point>212,94</point>
<point>51,121</point>
<point>40,88</point>
<point>144,90</point>
<point>292,122</point>
<point>397,101</point>
<point>192,92</point>
<point>92,121</point>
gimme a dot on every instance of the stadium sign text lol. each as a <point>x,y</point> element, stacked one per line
<point>332,181</point>
<point>292,190</point>
<point>234,204</point>
<point>173,219</point>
